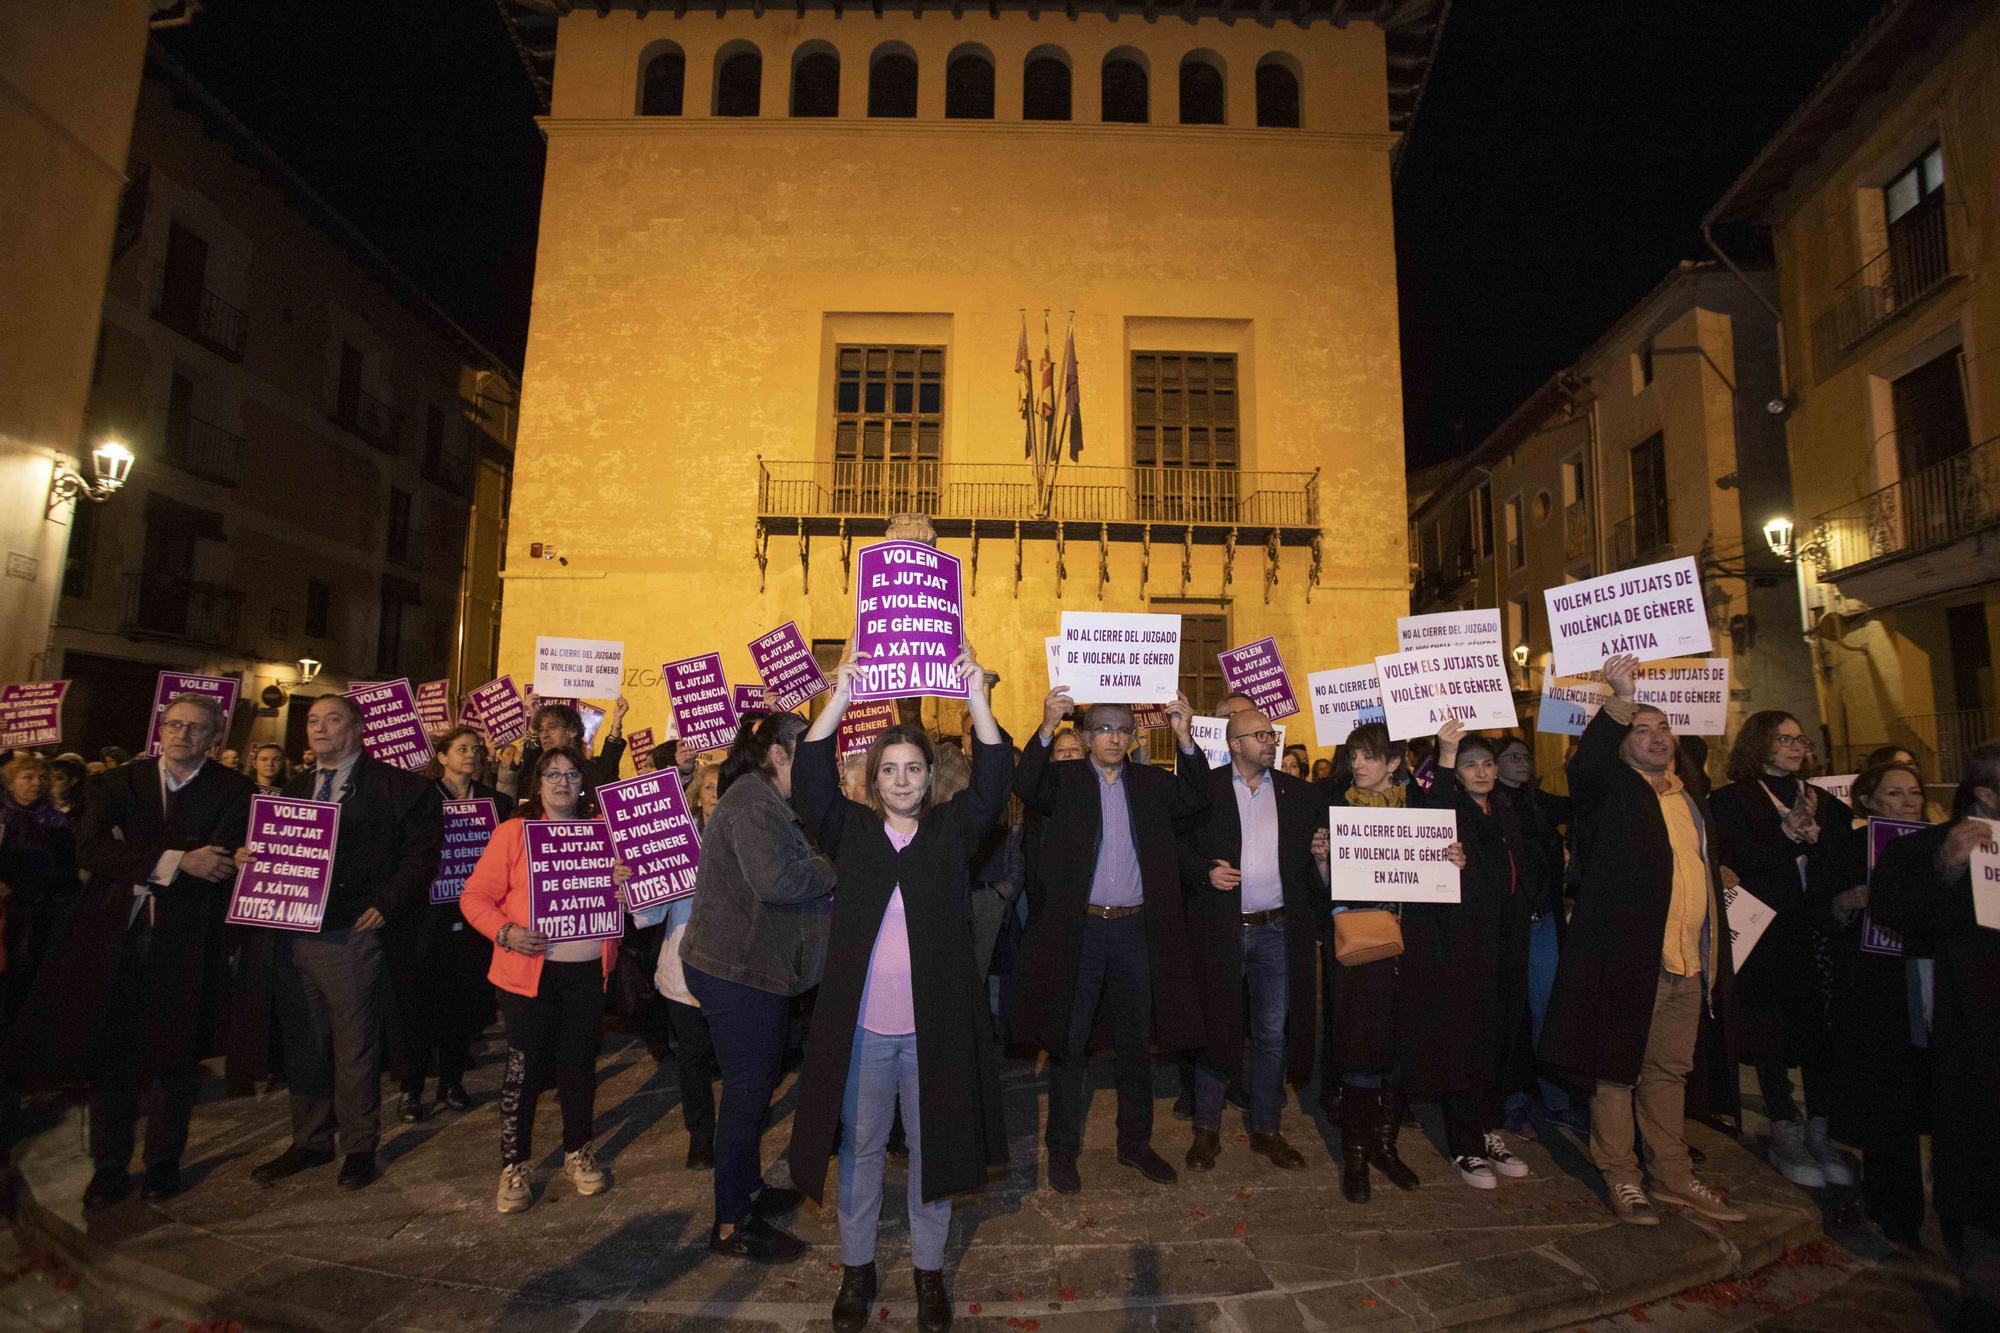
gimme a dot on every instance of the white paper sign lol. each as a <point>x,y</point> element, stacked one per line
<point>1693,692</point>
<point>1447,629</point>
<point>1837,784</point>
<point>1211,737</point>
<point>579,668</point>
<point>1344,699</point>
<point>1568,705</point>
<point>1053,648</point>
<point>1748,918</point>
<point>1391,856</point>
<point>1986,880</point>
<point>1651,612</point>
<point>1121,657</point>
<point>1423,691</point>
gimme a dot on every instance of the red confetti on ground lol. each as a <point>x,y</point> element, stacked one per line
<point>1013,1322</point>
<point>65,1282</point>
<point>1241,1228</point>
<point>833,1268</point>
<point>1031,1324</point>
<point>1395,1282</point>
<point>1368,1301</point>
<point>1017,1293</point>
<point>883,1314</point>
<point>1243,1194</point>
<point>1243,1138</point>
<point>1067,1294</point>
<point>1198,1213</point>
<point>1638,1315</point>
<point>975,1307</point>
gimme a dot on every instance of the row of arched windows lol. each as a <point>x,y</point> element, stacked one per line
<point>968,84</point>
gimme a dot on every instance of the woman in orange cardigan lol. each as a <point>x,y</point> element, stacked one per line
<point>551,994</point>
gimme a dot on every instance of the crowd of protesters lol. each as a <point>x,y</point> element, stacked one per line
<point>897,923</point>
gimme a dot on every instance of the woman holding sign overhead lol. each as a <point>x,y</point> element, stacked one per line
<point>551,993</point>
<point>902,1009</point>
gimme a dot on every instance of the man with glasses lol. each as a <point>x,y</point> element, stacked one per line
<point>330,985</point>
<point>1107,955</point>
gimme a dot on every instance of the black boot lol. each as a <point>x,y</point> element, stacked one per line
<point>1357,1130</point>
<point>1382,1150</point>
<point>857,1295</point>
<point>933,1301</point>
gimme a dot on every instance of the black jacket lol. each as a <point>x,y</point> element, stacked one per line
<point>386,853</point>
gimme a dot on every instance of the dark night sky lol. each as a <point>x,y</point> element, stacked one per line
<point>1563,158</point>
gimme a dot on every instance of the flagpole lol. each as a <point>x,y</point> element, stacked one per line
<point>1062,430</point>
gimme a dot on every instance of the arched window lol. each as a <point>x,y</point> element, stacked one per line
<point>968,84</point>
<point>1045,85</point>
<point>1277,93</point>
<point>816,80</point>
<point>739,80</point>
<point>1124,87</point>
<point>661,81</point>
<point>1201,89</point>
<point>892,81</point>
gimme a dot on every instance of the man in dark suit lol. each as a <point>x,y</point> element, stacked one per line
<point>1255,902</point>
<point>1110,942</point>
<point>134,1000</point>
<point>330,985</point>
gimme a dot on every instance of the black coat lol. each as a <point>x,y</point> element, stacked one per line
<point>1911,895</point>
<point>1214,919</point>
<point>964,1135</point>
<point>386,853</point>
<point>1601,1007</point>
<point>1066,797</point>
<point>1881,1081</point>
<point>123,833</point>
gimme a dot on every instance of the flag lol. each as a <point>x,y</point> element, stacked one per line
<point>1045,404</point>
<point>1025,391</point>
<point>1072,397</point>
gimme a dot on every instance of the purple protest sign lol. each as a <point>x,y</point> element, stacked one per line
<point>571,895</point>
<point>434,706</point>
<point>390,728</point>
<point>749,699</point>
<point>222,689</point>
<point>467,826</point>
<point>862,723</point>
<point>703,712</point>
<point>285,885</point>
<point>641,745</point>
<point>653,833</point>
<point>1256,669</point>
<point>31,713</point>
<point>1881,832</point>
<point>786,665</point>
<point>496,709</point>
<point>908,622</point>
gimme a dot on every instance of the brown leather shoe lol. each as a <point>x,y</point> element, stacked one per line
<point>1202,1152</point>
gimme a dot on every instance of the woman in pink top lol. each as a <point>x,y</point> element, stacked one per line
<point>902,1009</point>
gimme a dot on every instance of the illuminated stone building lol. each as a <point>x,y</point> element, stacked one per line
<point>784,261</point>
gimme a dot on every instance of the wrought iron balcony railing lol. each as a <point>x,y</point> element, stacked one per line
<point>170,607</point>
<point>365,415</point>
<point>1576,531</point>
<point>1931,508</point>
<point>1916,262</point>
<point>1941,741</point>
<point>208,319</point>
<point>1643,538</point>
<point>207,450</point>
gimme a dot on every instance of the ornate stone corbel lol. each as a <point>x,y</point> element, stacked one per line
<point>1312,575</point>
<point>1229,558</point>
<point>1145,557</point>
<point>805,560</point>
<point>974,589</point>
<point>846,556</point>
<point>762,550</point>
<point>1062,545</point>
<point>1187,557</point>
<point>1103,558</point>
<point>1017,559</point>
<point>1270,565</point>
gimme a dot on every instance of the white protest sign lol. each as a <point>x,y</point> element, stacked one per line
<point>1748,917</point>
<point>579,668</point>
<point>1693,692</point>
<point>1121,657</point>
<point>1391,856</point>
<point>1447,629</point>
<point>1211,737</point>
<point>1343,699</point>
<point>1986,880</point>
<point>1568,705</point>
<point>1836,784</point>
<point>1423,691</point>
<point>1651,612</point>
<point>1052,647</point>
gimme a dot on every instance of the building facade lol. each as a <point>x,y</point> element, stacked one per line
<point>322,455</point>
<point>785,260</point>
<point>1880,195</point>
<point>1657,442</point>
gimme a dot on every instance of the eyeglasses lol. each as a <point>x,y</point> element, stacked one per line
<point>182,728</point>
<point>1265,737</point>
<point>1111,731</point>
<point>567,777</point>
<point>1792,742</point>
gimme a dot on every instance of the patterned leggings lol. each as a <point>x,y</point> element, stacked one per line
<point>551,1038</point>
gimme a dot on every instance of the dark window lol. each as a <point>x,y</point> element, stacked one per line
<point>661,85</point>
<point>180,415</point>
<point>1203,635</point>
<point>892,85</point>
<point>816,85</point>
<point>389,630</point>
<point>82,549</point>
<point>1918,185</point>
<point>186,274</point>
<point>1645,355</point>
<point>1929,407</point>
<point>319,610</point>
<point>1045,89</point>
<point>1517,534</point>
<point>1277,96</point>
<point>399,524</point>
<point>1971,656</point>
<point>1482,516</point>
<point>433,440</point>
<point>1201,92</point>
<point>739,83</point>
<point>1650,530</point>
<point>347,393</point>
<point>1914,204</point>
<point>1124,91</point>
<point>968,87</point>
<point>888,427</point>
<point>1184,435</point>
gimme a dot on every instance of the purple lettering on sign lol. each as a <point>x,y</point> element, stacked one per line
<point>434,706</point>
<point>909,622</point>
<point>31,713</point>
<point>285,885</point>
<point>642,745</point>
<point>571,893</point>
<point>653,833</point>
<point>862,723</point>
<point>750,699</point>
<point>391,731</point>
<point>1256,669</point>
<point>496,709</point>
<point>787,667</point>
<point>467,826</point>
<point>171,684</point>
<point>703,712</point>
<point>1881,832</point>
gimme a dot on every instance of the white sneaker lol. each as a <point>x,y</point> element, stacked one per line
<point>1698,1198</point>
<point>1789,1155</point>
<point>1832,1162</point>
<point>1506,1163</point>
<point>1475,1172</point>
<point>583,1171</point>
<point>514,1195</point>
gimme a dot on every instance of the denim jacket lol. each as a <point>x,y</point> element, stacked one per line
<point>764,896</point>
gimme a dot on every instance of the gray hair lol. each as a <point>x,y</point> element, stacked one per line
<point>1092,715</point>
<point>217,719</point>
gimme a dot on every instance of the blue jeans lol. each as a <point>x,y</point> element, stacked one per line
<point>748,1027</point>
<point>1541,980</point>
<point>880,1070</point>
<point>1264,976</point>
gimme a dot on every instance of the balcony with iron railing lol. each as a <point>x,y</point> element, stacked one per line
<point>1455,570</point>
<point>1576,531</point>
<point>207,450</point>
<point>448,461</point>
<point>1940,742</point>
<point>207,319</point>
<point>1916,263</point>
<point>171,607</point>
<point>1929,509</point>
<point>1643,538</point>
<point>1206,503</point>
<point>363,414</point>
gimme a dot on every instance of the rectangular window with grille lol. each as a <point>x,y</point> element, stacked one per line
<point>888,428</point>
<point>1203,635</point>
<point>1186,441</point>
